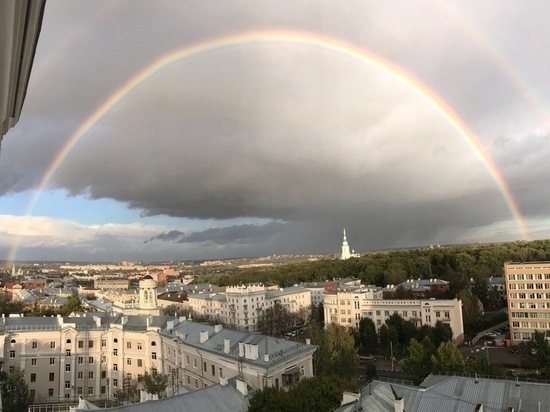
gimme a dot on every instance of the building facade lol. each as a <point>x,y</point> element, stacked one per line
<point>348,307</point>
<point>93,355</point>
<point>528,296</point>
<point>241,306</point>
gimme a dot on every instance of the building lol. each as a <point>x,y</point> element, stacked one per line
<point>241,306</point>
<point>147,303</point>
<point>110,283</point>
<point>92,354</point>
<point>450,394</point>
<point>346,254</point>
<point>419,288</point>
<point>346,307</point>
<point>528,295</point>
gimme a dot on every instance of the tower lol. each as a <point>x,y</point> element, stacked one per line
<point>345,248</point>
<point>148,293</point>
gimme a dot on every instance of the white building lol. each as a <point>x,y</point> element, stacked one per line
<point>346,254</point>
<point>241,306</point>
<point>347,307</point>
<point>91,355</point>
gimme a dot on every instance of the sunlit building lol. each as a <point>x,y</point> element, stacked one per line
<point>528,295</point>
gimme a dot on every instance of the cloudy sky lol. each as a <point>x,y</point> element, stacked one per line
<point>268,126</point>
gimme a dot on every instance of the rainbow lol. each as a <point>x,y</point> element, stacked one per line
<point>295,37</point>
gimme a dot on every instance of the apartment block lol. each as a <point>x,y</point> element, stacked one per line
<point>241,306</point>
<point>92,355</point>
<point>348,307</point>
<point>528,295</point>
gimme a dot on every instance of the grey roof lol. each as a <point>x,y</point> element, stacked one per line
<point>284,291</point>
<point>212,398</point>
<point>455,393</point>
<point>279,350</point>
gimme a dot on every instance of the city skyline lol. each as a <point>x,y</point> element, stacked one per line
<point>201,131</point>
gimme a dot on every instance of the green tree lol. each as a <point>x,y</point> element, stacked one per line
<point>15,392</point>
<point>274,321</point>
<point>481,366</point>
<point>155,383</point>
<point>447,358</point>
<point>368,335</point>
<point>418,363</point>
<point>315,394</point>
<point>73,304</point>
<point>538,354</point>
<point>269,399</point>
<point>337,354</point>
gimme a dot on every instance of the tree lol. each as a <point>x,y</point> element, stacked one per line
<point>15,392</point>
<point>440,333</point>
<point>482,366</point>
<point>267,400</point>
<point>274,321</point>
<point>367,335</point>
<point>155,383</point>
<point>129,391</point>
<point>336,353</point>
<point>418,363</point>
<point>73,304</point>
<point>447,358</point>
<point>315,394</point>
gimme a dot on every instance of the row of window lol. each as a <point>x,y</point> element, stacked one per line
<point>90,344</point>
<point>529,286</point>
<point>537,276</point>
<point>530,296</point>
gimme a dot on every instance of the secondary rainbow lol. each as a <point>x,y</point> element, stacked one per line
<point>295,37</point>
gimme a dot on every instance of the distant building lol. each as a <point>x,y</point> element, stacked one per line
<point>103,283</point>
<point>346,254</point>
<point>241,306</point>
<point>346,307</point>
<point>419,288</point>
<point>528,295</point>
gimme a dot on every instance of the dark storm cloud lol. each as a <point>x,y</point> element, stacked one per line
<point>291,132</point>
<point>239,234</point>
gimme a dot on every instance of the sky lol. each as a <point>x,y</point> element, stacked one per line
<point>168,130</point>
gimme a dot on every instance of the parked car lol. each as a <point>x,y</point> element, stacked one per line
<point>514,351</point>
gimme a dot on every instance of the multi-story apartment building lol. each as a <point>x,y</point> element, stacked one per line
<point>110,283</point>
<point>528,295</point>
<point>347,307</point>
<point>91,355</point>
<point>241,306</point>
<point>198,355</point>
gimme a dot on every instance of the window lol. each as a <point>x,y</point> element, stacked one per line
<point>187,359</point>
<point>220,371</point>
<point>68,352</point>
<point>103,343</point>
<point>33,362</point>
<point>80,360</point>
<point>52,345</point>
<point>52,377</point>
<point>103,374</point>
<point>115,382</point>
<point>52,361</point>
<point>139,345</point>
<point>139,363</point>
<point>129,361</point>
<point>90,374</point>
<point>153,343</point>
<point>68,367</point>
<point>115,340</point>
<point>50,392</point>
<point>33,377</point>
<point>90,359</point>
<point>32,393</point>
<point>90,390</point>
<point>204,367</point>
<point>68,341</point>
<point>67,384</point>
<point>194,363</point>
<point>128,345</point>
<point>80,375</point>
<point>103,390</point>
<point>153,355</point>
<point>80,343</point>
<point>213,370</point>
<point>115,366</point>
<point>35,345</point>
<point>79,390</point>
<point>115,352</point>
<point>12,354</point>
<point>90,343</point>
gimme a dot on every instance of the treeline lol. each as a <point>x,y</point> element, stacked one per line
<point>457,264</point>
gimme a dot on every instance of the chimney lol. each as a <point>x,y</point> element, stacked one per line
<point>223,381</point>
<point>398,402</point>
<point>217,328</point>
<point>308,341</point>
<point>124,320</point>
<point>266,358</point>
<point>242,387</point>
<point>479,408</point>
<point>226,345</point>
<point>204,336</point>
<point>251,351</point>
<point>241,349</point>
